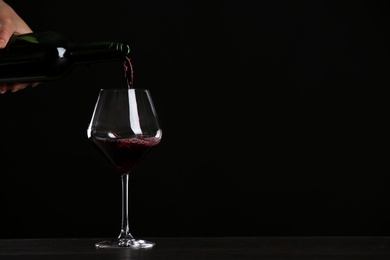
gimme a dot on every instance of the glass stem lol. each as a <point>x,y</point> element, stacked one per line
<point>125,231</point>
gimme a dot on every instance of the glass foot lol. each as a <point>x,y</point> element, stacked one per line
<point>125,243</point>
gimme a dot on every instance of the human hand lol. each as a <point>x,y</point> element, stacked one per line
<point>11,23</point>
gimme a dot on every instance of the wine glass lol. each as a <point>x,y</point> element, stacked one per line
<point>124,127</point>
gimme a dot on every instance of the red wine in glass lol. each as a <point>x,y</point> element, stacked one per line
<point>124,154</point>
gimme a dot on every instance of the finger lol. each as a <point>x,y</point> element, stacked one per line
<point>4,36</point>
<point>3,89</point>
<point>19,86</point>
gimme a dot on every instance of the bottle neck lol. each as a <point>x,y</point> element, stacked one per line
<point>99,51</point>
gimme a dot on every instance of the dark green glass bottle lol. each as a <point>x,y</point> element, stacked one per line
<point>45,56</point>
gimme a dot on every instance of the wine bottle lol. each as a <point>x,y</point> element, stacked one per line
<point>46,56</point>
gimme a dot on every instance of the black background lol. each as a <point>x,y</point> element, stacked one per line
<point>274,114</point>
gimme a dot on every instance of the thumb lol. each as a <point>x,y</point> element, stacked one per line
<point>4,37</point>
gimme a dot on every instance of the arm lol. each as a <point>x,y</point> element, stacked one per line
<point>11,23</point>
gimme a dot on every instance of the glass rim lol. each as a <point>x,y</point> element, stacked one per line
<point>121,89</point>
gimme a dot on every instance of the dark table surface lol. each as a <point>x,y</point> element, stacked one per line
<point>226,248</point>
